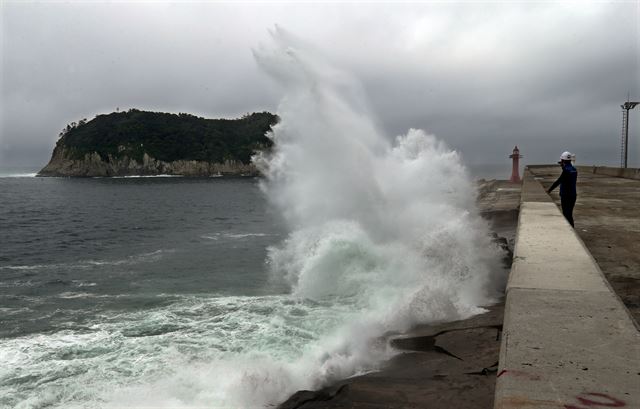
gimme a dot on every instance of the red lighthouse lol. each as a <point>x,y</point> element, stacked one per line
<point>515,170</point>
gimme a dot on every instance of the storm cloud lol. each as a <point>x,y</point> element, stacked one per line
<point>482,77</point>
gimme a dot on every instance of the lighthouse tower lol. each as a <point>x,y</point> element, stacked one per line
<point>515,170</point>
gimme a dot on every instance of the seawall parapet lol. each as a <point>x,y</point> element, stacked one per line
<point>568,340</point>
<point>627,173</point>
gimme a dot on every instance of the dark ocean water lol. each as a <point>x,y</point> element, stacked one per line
<point>109,282</point>
<point>157,292</point>
<point>136,242</point>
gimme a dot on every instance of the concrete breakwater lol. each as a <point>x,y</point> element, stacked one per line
<point>568,340</point>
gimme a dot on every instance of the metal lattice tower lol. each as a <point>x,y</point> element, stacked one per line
<point>625,131</point>
<point>622,135</point>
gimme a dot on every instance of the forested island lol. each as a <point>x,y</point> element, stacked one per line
<point>136,142</point>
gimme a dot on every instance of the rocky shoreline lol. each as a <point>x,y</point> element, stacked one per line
<point>62,163</point>
<point>448,365</point>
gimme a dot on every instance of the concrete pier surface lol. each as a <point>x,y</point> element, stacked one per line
<point>568,340</point>
<point>607,219</point>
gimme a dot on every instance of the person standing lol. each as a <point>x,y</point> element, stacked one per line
<point>567,182</point>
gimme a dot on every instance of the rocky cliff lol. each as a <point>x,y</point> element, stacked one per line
<point>63,163</point>
<point>142,143</point>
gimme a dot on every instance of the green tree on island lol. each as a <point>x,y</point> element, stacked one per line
<point>168,137</point>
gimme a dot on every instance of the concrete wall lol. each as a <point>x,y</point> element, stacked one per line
<point>628,173</point>
<point>568,341</point>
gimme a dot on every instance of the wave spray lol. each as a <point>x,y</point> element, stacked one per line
<point>387,230</point>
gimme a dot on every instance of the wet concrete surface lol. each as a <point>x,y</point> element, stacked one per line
<point>448,365</point>
<point>607,219</point>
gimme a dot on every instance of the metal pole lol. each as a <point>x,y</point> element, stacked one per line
<point>626,139</point>
<point>627,106</point>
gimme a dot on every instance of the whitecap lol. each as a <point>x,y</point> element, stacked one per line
<point>147,257</point>
<point>233,236</point>
<point>136,176</point>
<point>79,283</point>
<point>19,175</point>
<point>71,295</point>
<point>28,267</point>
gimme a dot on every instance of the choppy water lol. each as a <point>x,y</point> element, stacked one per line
<point>177,292</point>
<point>156,292</point>
<point>105,283</point>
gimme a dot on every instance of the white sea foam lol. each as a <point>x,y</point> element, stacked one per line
<point>5,311</point>
<point>137,176</point>
<point>147,176</point>
<point>390,229</point>
<point>236,236</point>
<point>79,283</point>
<point>72,295</point>
<point>198,352</point>
<point>147,257</point>
<point>28,267</point>
<point>18,175</point>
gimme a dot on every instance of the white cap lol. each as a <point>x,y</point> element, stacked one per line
<point>566,155</point>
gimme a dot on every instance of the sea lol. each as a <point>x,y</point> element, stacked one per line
<point>154,292</point>
<point>110,282</point>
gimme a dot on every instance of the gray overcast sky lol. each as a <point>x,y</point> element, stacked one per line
<point>481,76</point>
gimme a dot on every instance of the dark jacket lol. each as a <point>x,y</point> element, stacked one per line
<point>567,181</point>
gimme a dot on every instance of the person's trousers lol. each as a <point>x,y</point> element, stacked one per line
<point>568,202</point>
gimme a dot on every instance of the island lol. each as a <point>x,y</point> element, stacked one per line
<point>143,143</point>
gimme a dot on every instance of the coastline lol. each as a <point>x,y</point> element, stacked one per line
<point>63,163</point>
<point>451,364</point>
<point>446,365</point>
